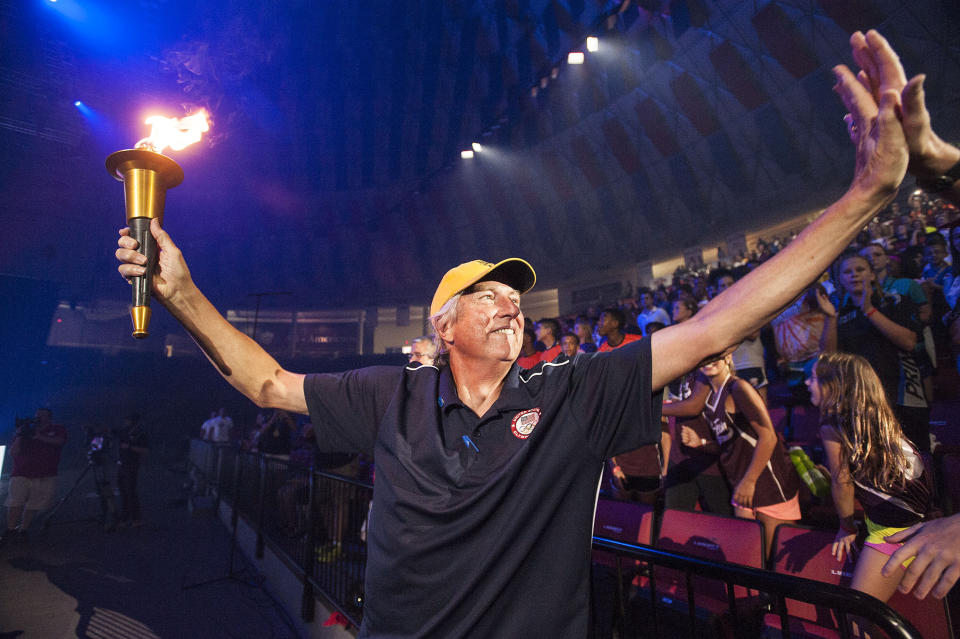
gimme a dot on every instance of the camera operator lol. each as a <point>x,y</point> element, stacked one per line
<point>33,483</point>
<point>132,446</point>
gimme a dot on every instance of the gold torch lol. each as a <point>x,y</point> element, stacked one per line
<point>146,175</point>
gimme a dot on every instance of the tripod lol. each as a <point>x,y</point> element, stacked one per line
<point>232,575</point>
<point>108,509</point>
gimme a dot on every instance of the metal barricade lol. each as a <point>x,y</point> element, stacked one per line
<point>315,523</point>
<point>776,587</point>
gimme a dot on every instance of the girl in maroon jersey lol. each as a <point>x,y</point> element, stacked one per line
<point>764,482</point>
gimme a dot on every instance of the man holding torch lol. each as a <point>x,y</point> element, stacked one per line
<point>486,473</point>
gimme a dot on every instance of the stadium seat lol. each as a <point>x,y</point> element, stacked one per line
<point>713,537</point>
<point>627,521</point>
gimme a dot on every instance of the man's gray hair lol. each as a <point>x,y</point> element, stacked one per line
<point>441,319</point>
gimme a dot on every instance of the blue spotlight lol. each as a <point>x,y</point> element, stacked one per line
<point>78,103</point>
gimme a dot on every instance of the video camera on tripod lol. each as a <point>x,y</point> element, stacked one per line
<point>25,427</point>
<point>97,446</point>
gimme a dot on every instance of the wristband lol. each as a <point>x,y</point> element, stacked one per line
<point>870,312</point>
<point>940,183</point>
<point>850,528</point>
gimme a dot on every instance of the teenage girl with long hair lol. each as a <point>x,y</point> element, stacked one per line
<point>869,458</point>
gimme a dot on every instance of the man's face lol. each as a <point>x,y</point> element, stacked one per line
<point>646,300</point>
<point>489,324</point>
<point>542,330</point>
<point>876,256</point>
<point>607,325</point>
<point>421,351</point>
<point>570,345</point>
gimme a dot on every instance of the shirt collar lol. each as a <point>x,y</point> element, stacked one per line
<point>512,395</point>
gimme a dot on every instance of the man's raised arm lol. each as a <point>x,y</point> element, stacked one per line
<point>881,163</point>
<point>241,361</point>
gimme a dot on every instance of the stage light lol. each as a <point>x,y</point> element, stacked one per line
<point>593,44</point>
<point>476,147</point>
<point>466,155</point>
<point>543,82</point>
<point>78,103</point>
<point>533,92</point>
<point>554,72</point>
<point>575,57</point>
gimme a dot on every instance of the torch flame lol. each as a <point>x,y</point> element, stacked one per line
<point>176,133</point>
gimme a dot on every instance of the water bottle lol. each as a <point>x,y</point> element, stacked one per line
<point>821,485</point>
<point>799,458</point>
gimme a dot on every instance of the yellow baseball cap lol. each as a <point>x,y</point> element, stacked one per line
<point>512,271</point>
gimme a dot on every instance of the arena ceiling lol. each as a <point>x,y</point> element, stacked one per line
<point>333,168</point>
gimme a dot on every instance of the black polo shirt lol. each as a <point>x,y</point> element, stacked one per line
<point>481,526</point>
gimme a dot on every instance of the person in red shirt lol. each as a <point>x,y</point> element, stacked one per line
<point>529,355</point>
<point>610,329</point>
<point>548,334</point>
<point>637,471</point>
<point>570,344</point>
<point>33,482</point>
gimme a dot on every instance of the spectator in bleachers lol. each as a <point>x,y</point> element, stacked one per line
<point>693,475</point>
<point>870,459</point>
<point>653,327</point>
<point>748,357</point>
<point>764,483</point>
<point>936,268</point>
<point>952,292</point>
<point>649,311</point>
<point>583,327</point>
<point>884,329</point>
<point>880,262</point>
<point>684,307</point>
<point>222,427</point>
<point>529,355</point>
<point>548,334</point>
<point>802,332</point>
<point>610,329</point>
<point>421,350</point>
<point>276,435</point>
<point>207,428</point>
<point>569,344</point>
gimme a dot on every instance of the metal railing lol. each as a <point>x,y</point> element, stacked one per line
<point>310,519</point>
<point>776,588</point>
<point>314,522</point>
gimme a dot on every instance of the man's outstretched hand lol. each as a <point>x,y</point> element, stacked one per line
<point>881,71</point>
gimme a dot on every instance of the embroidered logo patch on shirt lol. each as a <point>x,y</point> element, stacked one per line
<point>524,422</point>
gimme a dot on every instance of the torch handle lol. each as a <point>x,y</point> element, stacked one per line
<point>143,284</point>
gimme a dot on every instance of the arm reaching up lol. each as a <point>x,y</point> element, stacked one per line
<point>239,359</point>
<point>881,162</point>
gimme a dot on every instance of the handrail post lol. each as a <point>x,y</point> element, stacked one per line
<point>261,505</point>
<point>218,488</point>
<point>235,514</point>
<point>308,600</point>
